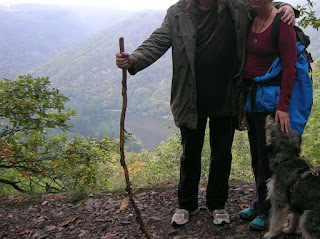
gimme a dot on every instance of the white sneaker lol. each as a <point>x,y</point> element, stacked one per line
<point>220,216</point>
<point>181,216</point>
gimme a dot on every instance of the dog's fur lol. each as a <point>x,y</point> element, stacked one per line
<point>287,190</point>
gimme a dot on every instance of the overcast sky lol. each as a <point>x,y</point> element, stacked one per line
<point>118,4</point>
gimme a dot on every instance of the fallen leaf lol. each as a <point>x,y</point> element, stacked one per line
<point>177,237</point>
<point>71,219</point>
<point>36,234</point>
<point>88,208</point>
<point>119,197</point>
<point>71,226</point>
<point>83,233</point>
<point>51,228</point>
<point>40,219</point>
<point>169,184</point>
<point>105,212</point>
<point>17,198</point>
<point>102,219</point>
<point>76,223</point>
<point>109,235</point>
<point>124,205</point>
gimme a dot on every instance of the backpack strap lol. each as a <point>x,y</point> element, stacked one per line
<point>275,30</point>
<point>301,37</point>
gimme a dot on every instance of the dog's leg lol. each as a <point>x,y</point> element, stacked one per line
<point>274,212</point>
<point>294,222</point>
<point>278,216</point>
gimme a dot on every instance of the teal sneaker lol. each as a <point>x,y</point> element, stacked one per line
<point>261,222</point>
<point>248,214</point>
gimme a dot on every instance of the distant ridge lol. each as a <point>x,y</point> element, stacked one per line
<point>87,71</point>
<point>31,34</point>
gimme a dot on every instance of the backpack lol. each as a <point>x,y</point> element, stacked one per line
<point>266,93</point>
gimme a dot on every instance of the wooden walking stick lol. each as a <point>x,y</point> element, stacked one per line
<point>122,159</point>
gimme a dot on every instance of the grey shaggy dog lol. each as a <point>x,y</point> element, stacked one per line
<point>294,186</point>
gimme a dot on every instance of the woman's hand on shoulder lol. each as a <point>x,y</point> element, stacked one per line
<point>288,16</point>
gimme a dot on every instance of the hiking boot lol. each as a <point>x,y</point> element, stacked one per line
<point>181,216</point>
<point>220,216</point>
<point>261,222</point>
<point>248,214</point>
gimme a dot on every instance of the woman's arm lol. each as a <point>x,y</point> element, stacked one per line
<point>288,55</point>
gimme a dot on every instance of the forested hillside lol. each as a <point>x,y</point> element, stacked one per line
<point>32,34</point>
<point>87,74</point>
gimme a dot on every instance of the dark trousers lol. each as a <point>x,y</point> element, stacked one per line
<point>260,163</point>
<point>221,137</point>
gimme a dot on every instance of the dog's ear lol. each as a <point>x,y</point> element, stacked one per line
<point>269,121</point>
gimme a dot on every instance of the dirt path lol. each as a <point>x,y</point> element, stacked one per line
<point>107,216</point>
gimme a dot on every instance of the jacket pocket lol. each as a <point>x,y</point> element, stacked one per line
<point>271,96</point>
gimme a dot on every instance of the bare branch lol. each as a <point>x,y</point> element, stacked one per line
<point>13,184</point>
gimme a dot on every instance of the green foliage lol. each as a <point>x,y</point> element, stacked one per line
<point>163,164</point>
<point>148,168</point>
<point>30,159</point>
<point>28,106</point>
<point>241,159</point>
<point>75,163</point>
<point>308,15</point>
<point>311,135</point>
<point>241,164</point>
<point>316,77</point>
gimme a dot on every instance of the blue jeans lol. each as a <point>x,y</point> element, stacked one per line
<point>221,137</point>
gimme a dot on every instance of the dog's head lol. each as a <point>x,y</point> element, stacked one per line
<point>280,145</point>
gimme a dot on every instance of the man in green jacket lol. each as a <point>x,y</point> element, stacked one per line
<point>208,48</point>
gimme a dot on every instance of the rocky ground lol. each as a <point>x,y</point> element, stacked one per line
<point>110,216</point>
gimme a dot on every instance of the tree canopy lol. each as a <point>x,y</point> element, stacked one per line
<point>32,158</point>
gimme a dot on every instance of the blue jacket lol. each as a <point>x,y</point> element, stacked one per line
<point>267,97</point>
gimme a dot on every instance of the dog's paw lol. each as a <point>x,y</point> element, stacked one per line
<point>269,235</point>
